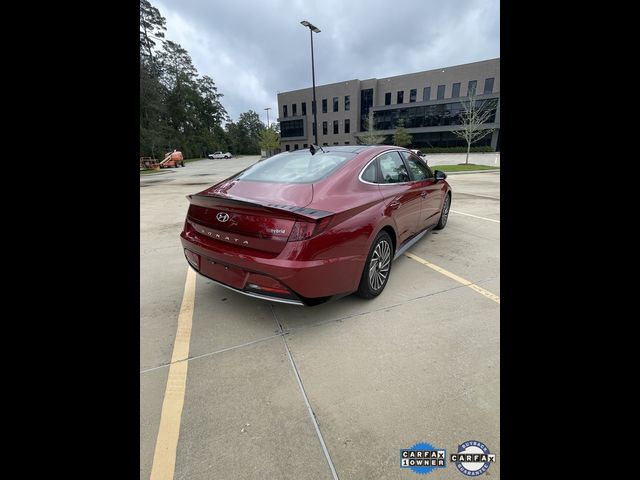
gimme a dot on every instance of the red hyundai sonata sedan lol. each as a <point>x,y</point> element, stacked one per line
<point>306,226</point>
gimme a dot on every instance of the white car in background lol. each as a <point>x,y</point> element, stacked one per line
<point>219,155</point>
<point>420,154</point>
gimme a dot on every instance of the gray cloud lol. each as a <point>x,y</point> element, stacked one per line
<point>254,49</point>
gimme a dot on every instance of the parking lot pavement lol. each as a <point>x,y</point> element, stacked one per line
<point>244,418</point>
<point>200,172</point>
<point>420,363</point>
<point>426,370</point>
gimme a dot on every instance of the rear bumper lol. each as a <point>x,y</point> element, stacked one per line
<point>269,298</point>
<point>310,281</point>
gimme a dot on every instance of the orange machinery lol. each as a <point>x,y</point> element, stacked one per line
<point>172,159</point>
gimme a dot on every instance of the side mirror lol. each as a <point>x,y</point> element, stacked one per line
<point>439,175</point>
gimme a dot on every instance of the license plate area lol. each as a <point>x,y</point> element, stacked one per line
<point>232,276</point>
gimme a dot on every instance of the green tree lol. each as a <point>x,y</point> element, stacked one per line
<point>270,140</point>
<point>401,137</point>
<point>177,66</point>
<point>236,137</point>
<point>152,93</point>
<point>152,26</point>
<point>178,107</point>
<point>246,133</point>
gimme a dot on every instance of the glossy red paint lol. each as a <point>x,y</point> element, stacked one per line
<point>242,230</point>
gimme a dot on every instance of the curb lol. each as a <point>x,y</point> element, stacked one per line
<point>471,171</point>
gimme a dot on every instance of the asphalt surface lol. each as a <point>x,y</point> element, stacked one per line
<point>419,363</point>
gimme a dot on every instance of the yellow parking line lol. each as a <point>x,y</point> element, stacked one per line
<point>164,458</point>
<point>453,276</point>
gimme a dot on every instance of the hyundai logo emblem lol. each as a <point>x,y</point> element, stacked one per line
<point>222,217</point>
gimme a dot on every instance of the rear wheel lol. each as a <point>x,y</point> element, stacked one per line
<point>377,267</point>
<point>444,215</point>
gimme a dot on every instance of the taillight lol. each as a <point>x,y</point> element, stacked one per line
<point>193,258</point>
<point>306,230</point>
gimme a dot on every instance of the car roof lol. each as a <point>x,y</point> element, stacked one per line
<point>355,148</point>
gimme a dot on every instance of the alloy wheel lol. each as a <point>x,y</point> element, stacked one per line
<point>379,265</point>
<point>445,210</point>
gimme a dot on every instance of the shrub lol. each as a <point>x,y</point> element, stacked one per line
<point>454,149</point>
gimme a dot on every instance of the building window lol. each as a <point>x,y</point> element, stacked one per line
<point>325,144</point>
<point>295,146</point>
<point>284,111</point>
<point>440,92</point>
<point>324,128</point>
<point>366,102</point>
<point>304,108</point>
<point>335,143</point>
<point>313,106</point>
<point>347,126</point>
<point>412,95</point>
<point>294,109</point>
<point>471,89</point>
<point>455,91</point>
<point>488,85</point>
<point>347,103</point>
<point>335,104</point>
<point>437,115</point>
<point>291,128</point>
<point>346,143</point>
<point>400,96</point>
<point>324,105</point>
<point>335,126</point>
<point>426,94</point>
<point>286,147</point>
<point>387,98</point>
<point>305,145</point>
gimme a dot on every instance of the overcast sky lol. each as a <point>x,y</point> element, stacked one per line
<point>254,49</point>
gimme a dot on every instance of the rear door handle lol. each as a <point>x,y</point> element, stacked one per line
<point>395,204</point>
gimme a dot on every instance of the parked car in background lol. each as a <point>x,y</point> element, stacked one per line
<point>220,155</point>
<point>302,227</point>
<point>420,154</point>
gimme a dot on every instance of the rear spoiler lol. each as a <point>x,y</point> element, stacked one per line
<point>215,200</point>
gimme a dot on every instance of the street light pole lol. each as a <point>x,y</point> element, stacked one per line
<point>267,109</point>
<point>314,106</point>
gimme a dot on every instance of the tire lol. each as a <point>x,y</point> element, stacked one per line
<point>444,214</point>
<point>374,278</point>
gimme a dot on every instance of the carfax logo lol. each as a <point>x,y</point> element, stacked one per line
<point>473,458</point>
<point>423,458</point>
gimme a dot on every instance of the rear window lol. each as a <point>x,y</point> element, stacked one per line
<point>298,167</point>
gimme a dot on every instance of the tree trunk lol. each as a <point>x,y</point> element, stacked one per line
<point>466,162</point>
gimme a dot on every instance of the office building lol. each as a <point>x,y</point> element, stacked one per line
<point>429,104</point>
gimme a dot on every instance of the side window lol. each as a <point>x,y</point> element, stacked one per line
<point>392,169</point>
<point>369,175</point>
<point>418,169</point>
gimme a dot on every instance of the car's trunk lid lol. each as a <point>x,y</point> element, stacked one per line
<point>254,215</point>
